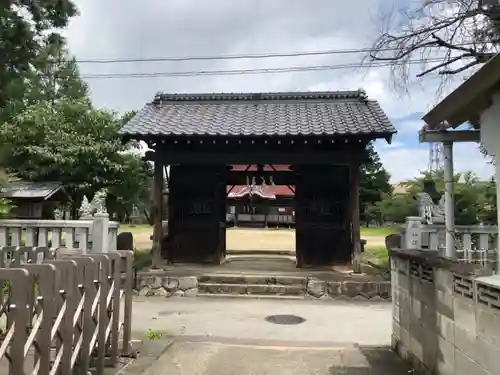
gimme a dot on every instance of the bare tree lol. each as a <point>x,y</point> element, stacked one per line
<point>437,37</point>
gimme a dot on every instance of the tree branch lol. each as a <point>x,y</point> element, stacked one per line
<point>453,31</point>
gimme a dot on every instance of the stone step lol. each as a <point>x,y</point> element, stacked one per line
<point>251,289</point>
<point>249,296</point>
<point>252,279</point>
<point>260,258</point>
<point>258,253</point>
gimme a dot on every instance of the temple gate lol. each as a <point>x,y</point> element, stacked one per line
<point>321,136</point>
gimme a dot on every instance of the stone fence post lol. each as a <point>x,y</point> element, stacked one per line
<point>100,230</point>
<point>413,233</point>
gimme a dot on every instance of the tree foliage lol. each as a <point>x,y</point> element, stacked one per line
<point>50,131</point>
<point>5,205</point>
<point>374,181</point>
<point>68,141</point>
<point>54,75</point>
<point>475,200</point>
<point>24,26</point>
<point>133,188</point>
<point>439,36</point>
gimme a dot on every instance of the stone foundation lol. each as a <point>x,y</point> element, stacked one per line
<point>350,290</point>
<point>158,284</point>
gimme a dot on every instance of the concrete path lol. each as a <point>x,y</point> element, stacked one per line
<point>232,336</point>
<point>340,322</point>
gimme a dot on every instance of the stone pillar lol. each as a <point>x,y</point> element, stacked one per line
<point>413,233</point>
<point>449,199</point>
<point>100,230</point>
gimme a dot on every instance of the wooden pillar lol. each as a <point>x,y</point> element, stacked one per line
<point>157,213</point>
<point>355,220</point>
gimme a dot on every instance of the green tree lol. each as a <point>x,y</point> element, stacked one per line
<point>24,25</point>
<point>68,141</point>
<point>5,205</point>
<point>133,188</point>
<point>71,142</point>
<point>397,208</point>
<point>475,200</point>
<point>488,203</point>
<point>374,181</point>
<point>52,132</point>
<point>54,75</point>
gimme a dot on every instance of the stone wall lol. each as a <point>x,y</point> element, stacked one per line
<point>446,316</point>
<point>162,284</point>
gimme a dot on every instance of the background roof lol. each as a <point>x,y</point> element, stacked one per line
<point>336,113</point>
<point>30,190</point>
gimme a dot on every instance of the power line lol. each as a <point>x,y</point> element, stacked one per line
<point>255,70</point>
<point>241,56</point>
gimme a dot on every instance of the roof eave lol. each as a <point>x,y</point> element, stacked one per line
<point>467,101</point>
<point>54,191</point>
<point>366,136</point>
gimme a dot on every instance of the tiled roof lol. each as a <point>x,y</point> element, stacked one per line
<point>309,113</point>
<point>269,191</point>
<point>30,190</point>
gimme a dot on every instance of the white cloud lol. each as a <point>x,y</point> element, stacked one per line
<point>157,28</point>
<point>409,127</point>
<point>405,163</point>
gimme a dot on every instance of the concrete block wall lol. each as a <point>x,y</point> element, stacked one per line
<point>445,322</point>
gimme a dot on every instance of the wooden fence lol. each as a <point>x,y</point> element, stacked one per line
<point>60,310</point>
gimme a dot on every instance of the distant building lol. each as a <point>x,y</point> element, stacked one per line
<point>260,205</point>
<point>33,200</point>
<point>399,189</point>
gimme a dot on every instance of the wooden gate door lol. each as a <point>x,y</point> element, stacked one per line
<point>197,214</point>
<point>322,214</point>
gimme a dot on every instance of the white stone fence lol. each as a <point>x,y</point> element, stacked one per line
<point>93,234</point>
<point>473,243</point>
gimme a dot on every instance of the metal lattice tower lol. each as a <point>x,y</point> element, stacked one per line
<point>435,157</point>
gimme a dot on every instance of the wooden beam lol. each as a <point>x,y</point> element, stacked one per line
<point>432,136</point>
<point>355,220</point>
<point>257,157</point>
<point>279,177</point>
<point>157,214</point>
<point>470,98</point>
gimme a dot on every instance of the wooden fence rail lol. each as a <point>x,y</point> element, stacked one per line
<point>60,310</point>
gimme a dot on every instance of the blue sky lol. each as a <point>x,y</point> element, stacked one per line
<point>117,29</point>
<point>406,154</point>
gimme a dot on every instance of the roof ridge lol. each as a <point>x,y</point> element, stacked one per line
<point>268,96</point>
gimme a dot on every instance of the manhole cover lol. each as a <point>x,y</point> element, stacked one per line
<point>285,319</point>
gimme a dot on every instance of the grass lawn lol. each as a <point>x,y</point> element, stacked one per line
<point>370,232</point>
<point>278,239</point>
<point>377,232</point>
<point>377,254</point>
<point>260,239</point>
<point>136,229</point>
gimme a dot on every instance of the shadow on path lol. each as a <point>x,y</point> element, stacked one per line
<point>227,356</point>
